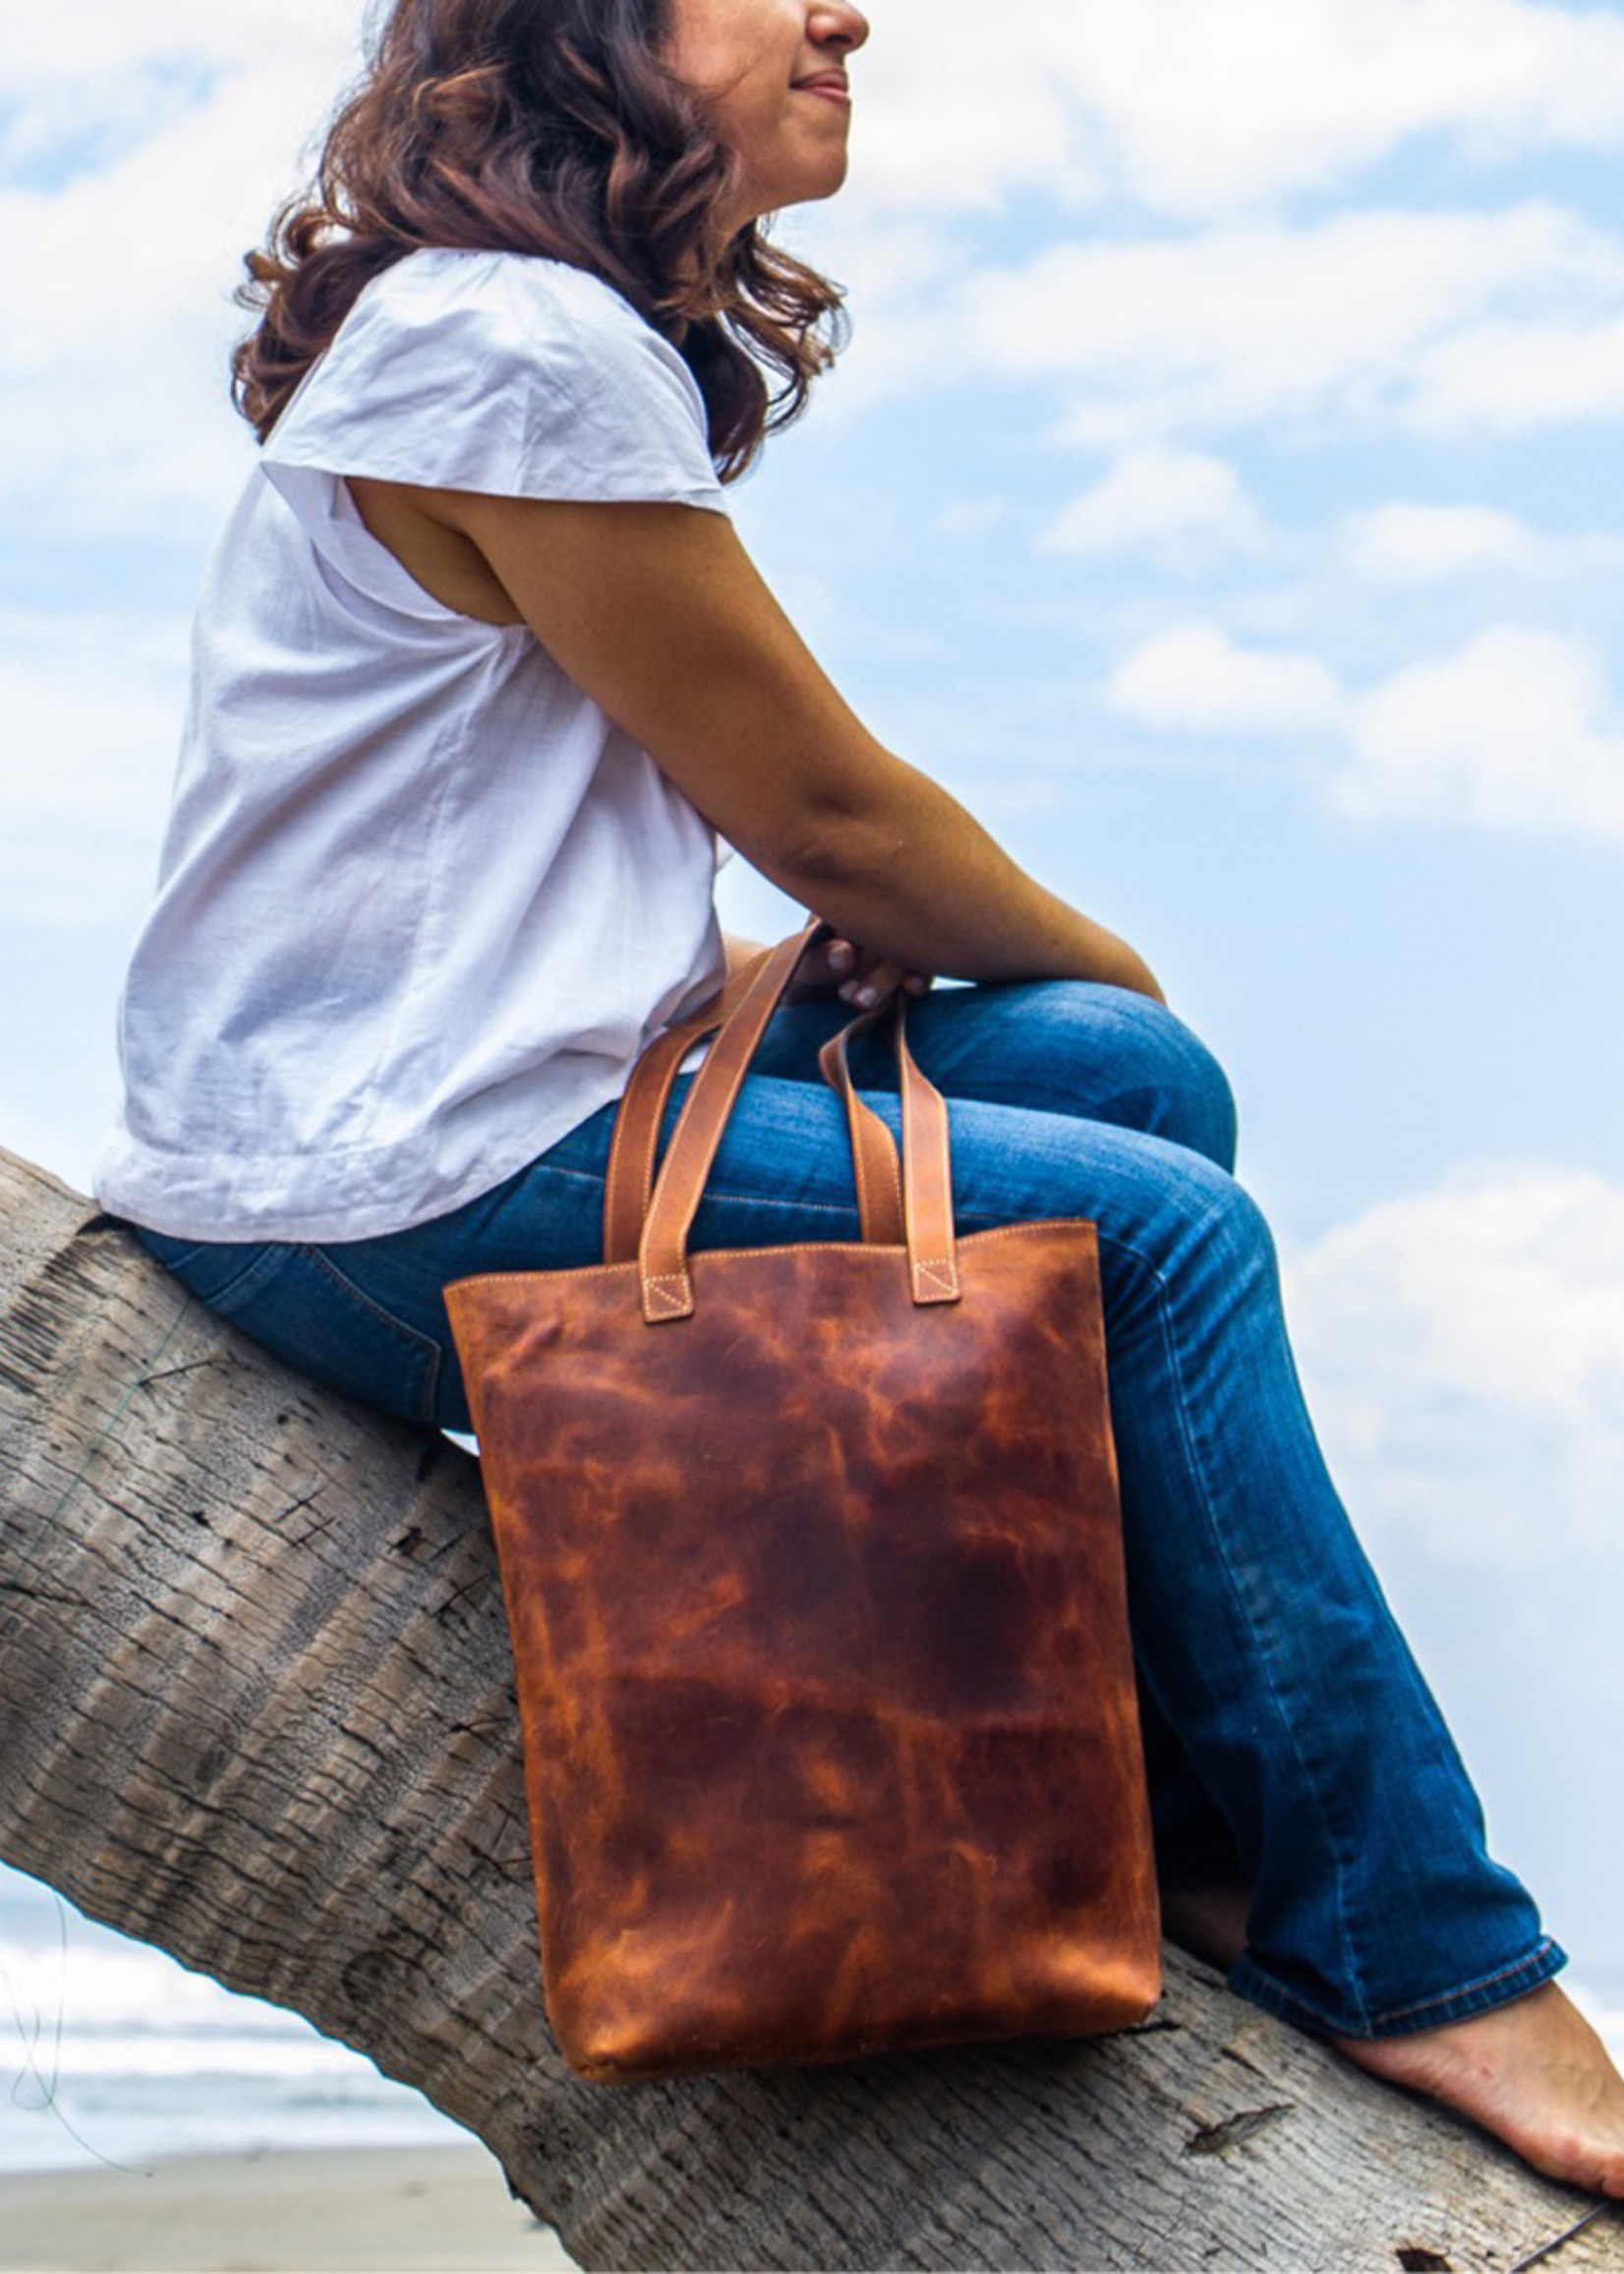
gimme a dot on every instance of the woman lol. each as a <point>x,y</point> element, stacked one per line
<point>481,672</point>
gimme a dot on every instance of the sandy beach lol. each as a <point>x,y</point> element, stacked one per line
<point>394,2210</point>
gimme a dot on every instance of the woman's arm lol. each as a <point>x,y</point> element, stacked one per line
<point>659,613</point>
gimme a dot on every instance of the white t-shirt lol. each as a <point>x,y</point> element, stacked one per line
<point>421,903</point>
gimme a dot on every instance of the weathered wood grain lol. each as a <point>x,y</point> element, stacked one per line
<point>257,1709</point>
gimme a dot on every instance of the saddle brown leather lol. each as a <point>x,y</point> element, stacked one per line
<point>814,1572</point>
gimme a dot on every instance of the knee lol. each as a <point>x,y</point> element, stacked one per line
<point>1205,1102</point>
<point>1168,1082</point>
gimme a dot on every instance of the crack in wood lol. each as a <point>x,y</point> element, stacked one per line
<point>191,1366</point>
<point>1215,2139</point>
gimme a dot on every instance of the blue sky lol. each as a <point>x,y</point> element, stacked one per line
<point>1221,495</point>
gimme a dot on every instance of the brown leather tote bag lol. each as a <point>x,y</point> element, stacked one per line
<point>814,1571</point>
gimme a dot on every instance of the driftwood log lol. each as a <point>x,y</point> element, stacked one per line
<point>257,1709</point>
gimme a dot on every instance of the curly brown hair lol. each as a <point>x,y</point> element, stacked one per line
<point>544,127</point>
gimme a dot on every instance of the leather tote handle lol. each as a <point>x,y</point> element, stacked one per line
<point>663,1248</point>
<point>926,1182</point>
<point>637,1126</point>
<point>916,1207</point>
<point>880,1208</point>
<point>629,1182</point>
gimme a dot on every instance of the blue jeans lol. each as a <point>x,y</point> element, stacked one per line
<point>1291,1740</point>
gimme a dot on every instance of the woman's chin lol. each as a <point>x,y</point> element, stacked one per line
<point>819,176</point>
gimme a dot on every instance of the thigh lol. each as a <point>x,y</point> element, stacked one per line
<point>1089,1053</point>
<point>299,1303</point>
<point>783,1173</point>
<point>369,1317</point>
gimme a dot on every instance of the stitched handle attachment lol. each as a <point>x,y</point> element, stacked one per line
<point>915,1201</point>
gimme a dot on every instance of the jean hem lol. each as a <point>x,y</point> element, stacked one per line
<point>1253,1982</point>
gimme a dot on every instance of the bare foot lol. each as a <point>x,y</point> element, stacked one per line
<point>1535,2073</point>
<point>1210,1922</point>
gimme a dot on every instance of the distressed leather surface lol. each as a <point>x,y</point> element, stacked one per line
<point>818,1612</point>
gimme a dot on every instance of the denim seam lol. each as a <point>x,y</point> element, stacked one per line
<point>800,1207</point>
<point>1215,1531</point>
<point>1543,1950</point>
<point>746,1200</point>
<point>598,1176</point>
<point>421,1345</point>
<point>263,1259</point>
<point>1250,1979</point>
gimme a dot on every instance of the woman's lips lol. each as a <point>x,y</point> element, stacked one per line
<point>832,85</point>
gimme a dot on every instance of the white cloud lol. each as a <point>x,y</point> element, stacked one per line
<point>1444,321</point>
<point>92,705</point>
<point>157,234</point>
<point>1240,326</point>
<point>970,516</point>
<point>47,44</point>
<point>1195,678</point>
<point>1407,543</point>
<point>1194,109</point>
<point>1464,1355</point>
<point>1180,504</point>
<point>118,281</point>
<point>71,123</point>
<point>1502,377</point>
<point>1205,105</point>
<point>1516,730</point>
<point>951,114</point>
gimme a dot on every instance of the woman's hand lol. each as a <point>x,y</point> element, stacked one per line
<point>835,966</point>
<point>855,974</point>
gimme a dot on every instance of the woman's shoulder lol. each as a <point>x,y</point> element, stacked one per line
<point>522,302</point>
<point>503,372</point>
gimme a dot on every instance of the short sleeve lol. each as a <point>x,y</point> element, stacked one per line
<point>504,375</point>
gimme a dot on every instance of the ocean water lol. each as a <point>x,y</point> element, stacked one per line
<point>111,2053</point>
